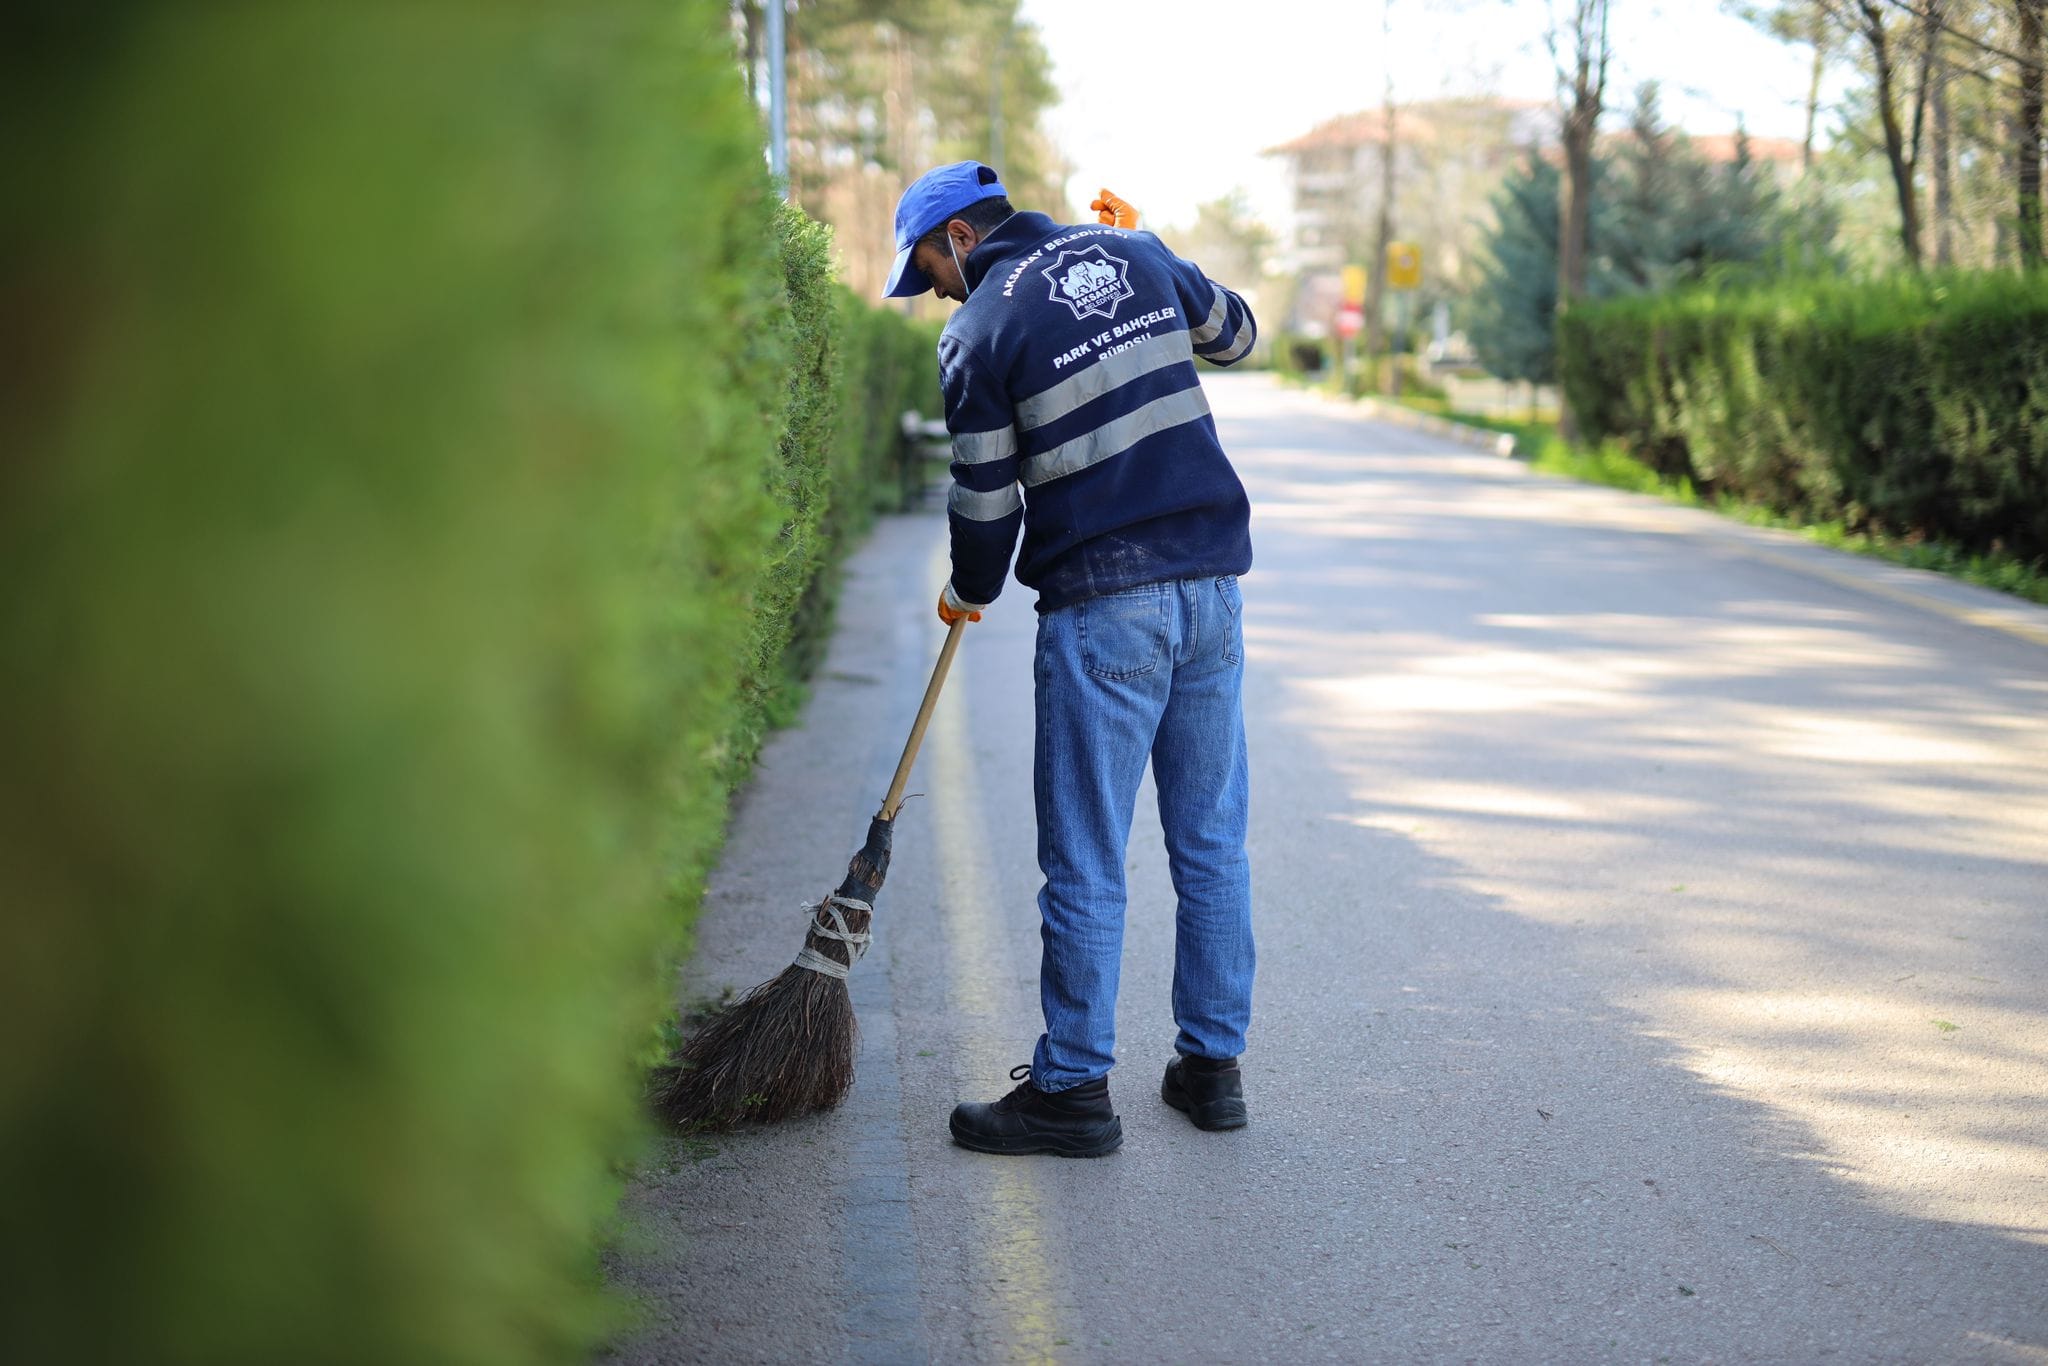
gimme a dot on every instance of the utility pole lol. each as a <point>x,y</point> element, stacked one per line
<point>1376,291</point>
<point>995,94</point>
<point>778,99</point>
<point>1817,34</point>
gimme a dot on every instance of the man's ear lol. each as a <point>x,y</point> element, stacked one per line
<point>964,237</point>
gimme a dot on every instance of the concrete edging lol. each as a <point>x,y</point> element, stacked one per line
<point>1479,438</point>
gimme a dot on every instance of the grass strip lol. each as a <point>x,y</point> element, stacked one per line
<point>1539,445</point>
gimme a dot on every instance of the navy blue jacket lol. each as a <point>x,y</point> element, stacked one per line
<point>1077,415</point>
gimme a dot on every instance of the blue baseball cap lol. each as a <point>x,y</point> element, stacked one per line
<point>933,198</point>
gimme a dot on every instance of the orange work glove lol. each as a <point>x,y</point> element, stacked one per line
<point>951,609</point>
<point>1116,212</point>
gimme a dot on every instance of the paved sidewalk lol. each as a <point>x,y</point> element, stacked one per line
<point>1654,963</point>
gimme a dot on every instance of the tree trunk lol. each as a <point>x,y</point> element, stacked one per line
<point>1574,216</point>
<point>1894,136</point>
<point>2005,227</point>
<point>1944,168</point>
<point>750,13</point>
<point>2029,133</point>
<point>1573,221</point>
<point>1931,20</point>
<point>1383,237</point>
<point>1575,212</point>
<point>1819,38</point>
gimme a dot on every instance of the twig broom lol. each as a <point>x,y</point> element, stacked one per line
<point>786,1047</point>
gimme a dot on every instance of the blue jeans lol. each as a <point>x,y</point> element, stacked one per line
<point>1155,672</point>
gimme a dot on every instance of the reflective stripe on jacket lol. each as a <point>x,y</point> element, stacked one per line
<point>1078,417</point>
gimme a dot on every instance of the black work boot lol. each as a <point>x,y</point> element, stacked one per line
<point>1074,1123</point>
<point>1209,1091</point>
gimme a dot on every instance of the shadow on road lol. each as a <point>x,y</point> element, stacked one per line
<point>1651,948</point>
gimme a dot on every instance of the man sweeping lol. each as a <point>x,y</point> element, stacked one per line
<point>1078,420</point>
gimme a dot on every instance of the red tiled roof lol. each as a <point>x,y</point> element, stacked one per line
<point>1719,148</point>
<point>1364,129</point>
<point>1412,122</point>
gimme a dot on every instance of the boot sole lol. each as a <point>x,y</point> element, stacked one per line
<point>1212,1118</point>
<point>1059,1145</point>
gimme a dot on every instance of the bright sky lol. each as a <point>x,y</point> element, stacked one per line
<point>1169,102</point>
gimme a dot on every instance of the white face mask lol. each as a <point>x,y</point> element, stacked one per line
<point>964,286</point>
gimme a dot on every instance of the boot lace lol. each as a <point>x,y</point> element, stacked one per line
<point>1022,1075</point>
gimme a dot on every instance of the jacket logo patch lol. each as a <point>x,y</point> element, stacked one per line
<point>1089,281</point>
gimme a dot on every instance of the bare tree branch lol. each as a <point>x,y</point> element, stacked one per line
<point>1867,19</point>
<point>1586,82</point>
<point>2031,14</point>
<point>1931,29</point>
<point>1921,13</point>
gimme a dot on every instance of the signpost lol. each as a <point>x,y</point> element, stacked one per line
<point>1404,266</point>
<point>1350,318</point>
<point>1354,285</point>
<point>1404,277</point>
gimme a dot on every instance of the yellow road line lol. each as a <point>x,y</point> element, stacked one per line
<point>1019,1277</point>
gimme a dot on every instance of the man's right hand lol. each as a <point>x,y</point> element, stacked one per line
<point>951,609</point>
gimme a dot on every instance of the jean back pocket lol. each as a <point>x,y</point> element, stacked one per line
<point>1233,612</point>
<point>1123,635</point>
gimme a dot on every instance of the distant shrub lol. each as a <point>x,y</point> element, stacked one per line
<point>1910,406</point>
<point>1295,354</point>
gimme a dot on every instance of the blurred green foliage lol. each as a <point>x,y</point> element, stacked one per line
<point>411,442</point>
<point>1296,355</point>
<point>1914,406</point>
<point>1663,216</point>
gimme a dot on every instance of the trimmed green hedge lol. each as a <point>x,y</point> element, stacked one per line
<point>843,459</point>
<point>887,366</point>
<point>891,367</point>
<point>410,444</point>
<point>1913,406</point>
<point>799,479</point>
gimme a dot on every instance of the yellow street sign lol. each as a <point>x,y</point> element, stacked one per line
<point>1404,265</point>
<point>1354,284</point>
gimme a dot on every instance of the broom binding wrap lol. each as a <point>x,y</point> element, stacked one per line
<point>786,1047</point>
<point>829,922</point>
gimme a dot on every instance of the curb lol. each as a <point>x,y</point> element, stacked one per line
<point>1479,438</point>
<point>1923,589</point>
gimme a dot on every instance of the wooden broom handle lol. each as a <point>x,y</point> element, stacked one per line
<point>894,800</point>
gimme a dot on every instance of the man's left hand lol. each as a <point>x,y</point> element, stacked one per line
<point>1114,211</point>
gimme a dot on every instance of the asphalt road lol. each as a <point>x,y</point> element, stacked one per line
<point>1653,922</point>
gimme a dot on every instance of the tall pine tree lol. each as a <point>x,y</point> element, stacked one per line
<point>1663,217</point>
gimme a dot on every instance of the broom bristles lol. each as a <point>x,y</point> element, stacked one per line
<point>782,1050</point>
<point>786,1047</point>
